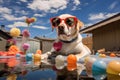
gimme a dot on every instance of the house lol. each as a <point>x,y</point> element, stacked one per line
<point>45,43</point>
<point>88,41</point>
<point>105,34</point>
<point>34,44</point>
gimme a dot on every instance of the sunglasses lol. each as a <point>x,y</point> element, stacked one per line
<point>69,21</point>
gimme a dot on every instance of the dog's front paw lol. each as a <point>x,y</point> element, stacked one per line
<point>45,55</point>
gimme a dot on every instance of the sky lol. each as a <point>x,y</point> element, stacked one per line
<point>14,12</point>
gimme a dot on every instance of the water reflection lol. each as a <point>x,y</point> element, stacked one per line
<point>25,69</point>
<point>36,69</point>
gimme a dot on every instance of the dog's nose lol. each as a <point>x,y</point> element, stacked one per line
<point>61,29</point>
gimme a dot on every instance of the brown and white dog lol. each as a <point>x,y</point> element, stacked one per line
<point>69,40</point>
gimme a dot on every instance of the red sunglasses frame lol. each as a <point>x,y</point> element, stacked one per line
<point>75,21</point>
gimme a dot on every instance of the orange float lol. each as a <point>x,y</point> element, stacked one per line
<point>12,62</point>
<point>39,51</point>
<point>71,62</point>
<point>13,50</point>
<point>112,55</point>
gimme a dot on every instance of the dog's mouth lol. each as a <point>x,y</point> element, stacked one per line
<point>61,32</point>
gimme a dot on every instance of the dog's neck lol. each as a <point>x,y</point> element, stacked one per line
<point>72,40</point>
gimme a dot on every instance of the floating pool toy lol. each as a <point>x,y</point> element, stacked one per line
<point>88,64</point>
<point>29,56</point>
<point>112,55</point>
<point>11,62</point>
<point>37,62</point>
<point>113,67</point>
<point>25,47</point>
<point>13,50</point>
<point>71,62</point>
<point>37,56</point>
<point>26,33</point>
<point>30,20</point>
<point>39,51</point>
<point>59,62</point>
<point>99,70</point>
<point>15,32</point>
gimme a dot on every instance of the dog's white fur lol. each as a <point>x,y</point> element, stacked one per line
<point>76,47</point>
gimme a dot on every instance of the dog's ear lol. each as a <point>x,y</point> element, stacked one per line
<point>79,25</point>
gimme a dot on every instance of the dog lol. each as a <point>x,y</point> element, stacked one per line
<point>69,40</point>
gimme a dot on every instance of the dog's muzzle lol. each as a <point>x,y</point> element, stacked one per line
<point>61,30</point>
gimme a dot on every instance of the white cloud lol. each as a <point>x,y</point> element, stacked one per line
<point>18,3</point>
<point>21,12</point>
<point>112,6</point>
<point>39,15</point>
<point>76,2</point>
<point>100,16</point>
<point>18,24</point>
<point>5,10</point>
<point>12,17</point>
<point>88,24</point>
<point>96,16</point>
<point>39,27</point>
<point>75,8</point>
<point>10,26</point>
<point>23,0</point>
<point>48,5</point>
<point>110,14</point>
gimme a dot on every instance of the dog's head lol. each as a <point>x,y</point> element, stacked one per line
<point>67,26</point>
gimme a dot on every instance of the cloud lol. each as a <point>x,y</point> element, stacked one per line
<point>94,18</point>
<point>40,27</point>
<point>12,17</point>
<point>88,24</point>
<point>39,15</point>
<point>48,5</point>
<point>112,6</point>
<point>21,24</point>
<point>18,24</point>
<point>75,7</point>
<point>21,12</point>
<point>23,0</point>
<point>5,10</point>
<point>76,2</point>
<point>100,16</point>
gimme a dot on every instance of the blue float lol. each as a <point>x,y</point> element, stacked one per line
<point>29,56</point>
<point>99,70</point>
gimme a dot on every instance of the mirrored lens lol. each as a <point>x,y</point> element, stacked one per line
<point>70,21</point>
<point>55,21</point>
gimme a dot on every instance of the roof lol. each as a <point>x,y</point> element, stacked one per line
<point>101,24</point>
<point>44,38</point>
<point>4,35</point>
